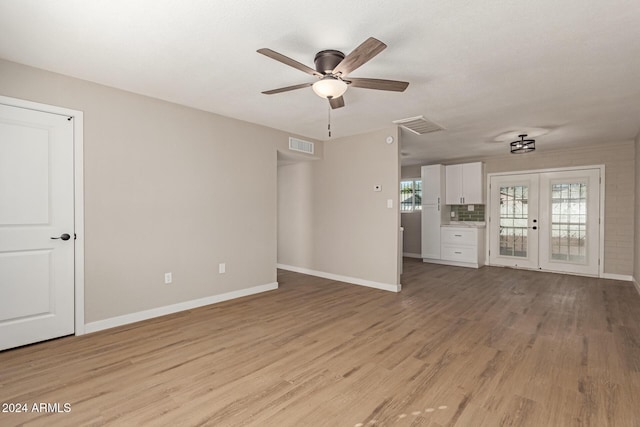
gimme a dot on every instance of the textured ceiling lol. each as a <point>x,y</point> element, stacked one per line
<point>477,68</point>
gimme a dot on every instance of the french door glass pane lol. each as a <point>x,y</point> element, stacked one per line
<point>514,220</point>
<point>569,222</point>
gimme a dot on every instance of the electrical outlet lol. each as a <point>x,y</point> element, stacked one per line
<point>470,208</point>
<point>453,214</point>
<point>222,267</point>
<point>168,278</point>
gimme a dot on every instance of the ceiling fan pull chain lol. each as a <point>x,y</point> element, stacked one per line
<point>329,121</point>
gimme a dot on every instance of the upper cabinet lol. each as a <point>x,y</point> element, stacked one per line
<point>433,184</point>
<point>465,184</point>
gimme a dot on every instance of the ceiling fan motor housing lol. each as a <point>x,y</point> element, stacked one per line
<point>327,60</point>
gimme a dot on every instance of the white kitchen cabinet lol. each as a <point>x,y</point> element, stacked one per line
<point>434,212</point>
<point>431,232</point>
<point>432,184</point>
<point>465,184</point>
<point>462,246</point>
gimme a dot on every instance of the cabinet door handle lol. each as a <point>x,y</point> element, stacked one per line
<point>459,253</point>
<point>457,235</point>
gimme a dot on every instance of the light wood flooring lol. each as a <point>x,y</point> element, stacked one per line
<point>457,347</point>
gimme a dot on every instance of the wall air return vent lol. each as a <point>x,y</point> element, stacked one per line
<point>418,125</point>
<point>300,145</point>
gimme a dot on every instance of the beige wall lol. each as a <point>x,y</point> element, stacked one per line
<point>167,188</point>
<point>411,221</point>
<point>413,171</point>
<point>353,234</point>
<point>295,214</point>
<point>636,263</point>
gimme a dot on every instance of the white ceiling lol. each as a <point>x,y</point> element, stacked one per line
<point>477,68</point>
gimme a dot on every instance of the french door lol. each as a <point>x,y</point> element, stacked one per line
<point>546,220</point>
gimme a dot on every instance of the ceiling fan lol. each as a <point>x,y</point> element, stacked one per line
<point>332,68</point>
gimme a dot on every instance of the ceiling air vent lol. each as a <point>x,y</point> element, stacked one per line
<point>300,145</point>
<point>418,125</point>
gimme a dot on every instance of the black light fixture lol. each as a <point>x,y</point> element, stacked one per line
<point>523,146</point>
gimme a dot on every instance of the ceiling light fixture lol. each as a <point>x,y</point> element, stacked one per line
<point>523,146</point>
<point>329,87</point>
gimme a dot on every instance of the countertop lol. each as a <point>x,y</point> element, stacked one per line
<point>466,224</point>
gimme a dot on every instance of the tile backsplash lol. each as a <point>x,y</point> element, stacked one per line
<point>464,214</point>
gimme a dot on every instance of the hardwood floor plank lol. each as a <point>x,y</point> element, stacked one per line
<point>457,347</point>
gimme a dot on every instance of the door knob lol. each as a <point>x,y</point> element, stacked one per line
<point>64,236</point>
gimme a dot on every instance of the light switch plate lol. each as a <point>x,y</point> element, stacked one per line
<point>390,203</point>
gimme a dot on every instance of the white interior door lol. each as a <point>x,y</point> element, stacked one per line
<point>547,220</point>
<point>36,210</point>
<point>513,227</point>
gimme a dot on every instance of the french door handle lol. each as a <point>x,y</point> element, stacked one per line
<point>64,236</point>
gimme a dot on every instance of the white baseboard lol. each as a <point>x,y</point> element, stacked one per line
<point>174,308</point>
<point>614,276</point>
<point>411,255</point>
<point>636,284</point>
<point>347,279</point>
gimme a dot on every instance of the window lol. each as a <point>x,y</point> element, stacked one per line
<point>410,195</point>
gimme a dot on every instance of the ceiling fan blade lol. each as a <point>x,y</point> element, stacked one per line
<point>287,89</point>
<point>288,61</point>
<point>379,84</point>
<point>336,102</point>
<point>363,53</point>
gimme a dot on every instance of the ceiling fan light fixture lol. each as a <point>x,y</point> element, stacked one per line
<point>329,87</point>
<point>523,146</point>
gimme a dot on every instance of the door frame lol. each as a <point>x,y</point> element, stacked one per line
<point>78,195</point>
<point>565,169</point>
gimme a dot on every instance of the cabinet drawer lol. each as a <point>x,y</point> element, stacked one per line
<point>459,253</point>
<point>465,236</point>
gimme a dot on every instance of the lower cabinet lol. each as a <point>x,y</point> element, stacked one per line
<point>462,246</point>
